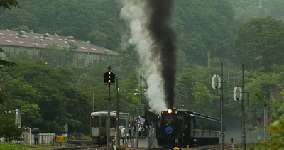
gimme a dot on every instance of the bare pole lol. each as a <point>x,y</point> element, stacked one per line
<point>264,123</point>
<point>222,108</point>
<point>137,133</point>
<point>140,86</point>
<point>93,101</point>
<point>140,106</point>
<point>243,111</point>
<point>117,115</point>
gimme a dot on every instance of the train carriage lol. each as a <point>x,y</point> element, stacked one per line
<point>99,125</point>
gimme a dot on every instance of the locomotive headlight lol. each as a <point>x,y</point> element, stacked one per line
<point>170,111</point>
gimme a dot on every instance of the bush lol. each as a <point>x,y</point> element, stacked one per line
<point>8,129</point>
<point>120,147</point>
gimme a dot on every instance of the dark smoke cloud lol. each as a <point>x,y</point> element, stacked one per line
<point>164,43</point>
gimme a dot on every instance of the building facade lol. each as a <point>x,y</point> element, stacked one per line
<point>62,49</point>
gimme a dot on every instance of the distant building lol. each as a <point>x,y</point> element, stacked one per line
<point>35,45</point>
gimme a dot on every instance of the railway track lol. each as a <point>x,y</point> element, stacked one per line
<point>96,147</point>
<point>207,147</point>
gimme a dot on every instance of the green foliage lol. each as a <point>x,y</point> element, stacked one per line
<point>8,129</point>
<point>120,147</point>
<point>204,27</point>
<point>30,115</point>
<point>46,97</point>
<point>21,28</point>
<point>9,3</point>
<point>260,43</point>
<point>195,91</point>
<point>13,146</point>
<point>247,9</point>
<point>276,141</point>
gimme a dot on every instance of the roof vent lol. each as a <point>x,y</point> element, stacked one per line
<point>21,34</point>
<point>45,36</point>
<point>69,38</point>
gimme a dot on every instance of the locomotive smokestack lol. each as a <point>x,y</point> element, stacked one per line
<point>164,44</point>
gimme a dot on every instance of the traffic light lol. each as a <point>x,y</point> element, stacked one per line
<point>258,120</point>
<point>238,93</point>
<point>109,77</point>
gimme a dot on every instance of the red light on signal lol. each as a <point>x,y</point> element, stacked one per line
<point>114,117</point>
<point>258,121</point>
<point>93,117</point>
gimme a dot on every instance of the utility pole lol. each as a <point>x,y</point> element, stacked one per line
<point>218,83</point>
<point>243,111</point>
<point>117,115</point>
<point>222,108</point>
<point>93,101</point>
<point>140,86</point>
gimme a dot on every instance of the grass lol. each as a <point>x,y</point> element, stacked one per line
<point>12,146</point>
<point>251,146</point>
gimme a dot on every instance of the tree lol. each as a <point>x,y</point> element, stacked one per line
<point>8,129</point>
<point>3,65</point>
<point>46,96</point>
<point>31,116</point>
<point>9,3</point>
<point>260,43</point>
<point>204,28</point>
<point>247,9</point>
<point>276,141</point>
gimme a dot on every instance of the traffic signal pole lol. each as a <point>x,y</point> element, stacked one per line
<point>217,83</point>
<point>108,119</point>
<point>222,109</point>
<point>109,77</point>
<point>117,115</point>
<point>243,111</point>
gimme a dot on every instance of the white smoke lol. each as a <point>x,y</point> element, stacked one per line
<point>134,13</point>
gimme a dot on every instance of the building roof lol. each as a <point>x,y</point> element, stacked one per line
<point>36,40</point>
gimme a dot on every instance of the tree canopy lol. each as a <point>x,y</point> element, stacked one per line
<point>9,3</point>
<point>260,43</point>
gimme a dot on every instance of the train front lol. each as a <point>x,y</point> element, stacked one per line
<point>167,133</point>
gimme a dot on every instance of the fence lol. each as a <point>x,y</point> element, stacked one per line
<point>43,138</point>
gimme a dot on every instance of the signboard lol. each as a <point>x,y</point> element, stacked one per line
<point>60,139</point>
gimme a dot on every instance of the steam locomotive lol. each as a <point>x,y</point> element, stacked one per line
<point>183,128</point>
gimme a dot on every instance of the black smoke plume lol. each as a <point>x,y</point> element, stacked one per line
<point>164,44</point>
